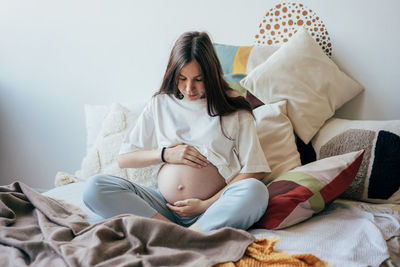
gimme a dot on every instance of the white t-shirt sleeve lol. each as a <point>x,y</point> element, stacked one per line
<point>251,156</point>
<point>142,136</point>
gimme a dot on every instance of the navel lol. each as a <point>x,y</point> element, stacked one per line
<point>180,187</point>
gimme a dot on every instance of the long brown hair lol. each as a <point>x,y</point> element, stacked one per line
<point>197,46</point>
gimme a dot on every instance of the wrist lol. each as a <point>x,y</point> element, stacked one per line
<point>163,155</point>
<point>208,202</point>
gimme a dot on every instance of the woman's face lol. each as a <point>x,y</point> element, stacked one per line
<point>190,81</point>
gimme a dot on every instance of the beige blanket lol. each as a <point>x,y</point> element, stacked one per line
<point>40,231</point>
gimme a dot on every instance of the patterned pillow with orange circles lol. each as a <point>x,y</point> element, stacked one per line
<point>278,25</point>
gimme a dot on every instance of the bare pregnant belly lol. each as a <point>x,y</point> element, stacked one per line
<point>179,182</point>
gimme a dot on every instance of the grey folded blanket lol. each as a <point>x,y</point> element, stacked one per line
<point>40,231</point>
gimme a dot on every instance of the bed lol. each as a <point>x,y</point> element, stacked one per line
<point>334,186</point>
<point>347,233</point>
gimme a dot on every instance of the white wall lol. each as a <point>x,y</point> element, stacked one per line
<point>56,56</point>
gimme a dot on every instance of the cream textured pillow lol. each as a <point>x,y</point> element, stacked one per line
<point>277,139</point>
<point>95,114</point>
<point>310,81</point>
<point>103,155</point>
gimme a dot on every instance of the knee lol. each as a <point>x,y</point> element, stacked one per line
<point>93,182</point>
<point>93,188</point>
<point>256,193</point>
<point>241,205</point>
<point>256,186</point>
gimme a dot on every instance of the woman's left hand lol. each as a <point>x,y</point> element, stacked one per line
<point>189,207</point>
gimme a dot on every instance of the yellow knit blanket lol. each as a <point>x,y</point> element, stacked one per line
<point>261,253</point>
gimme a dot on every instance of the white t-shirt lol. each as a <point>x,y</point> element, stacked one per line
<point>167,121</point>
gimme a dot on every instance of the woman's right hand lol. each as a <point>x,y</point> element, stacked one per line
<point>185,154</point>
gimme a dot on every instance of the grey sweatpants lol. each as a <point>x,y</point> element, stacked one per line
<point>240,205</point>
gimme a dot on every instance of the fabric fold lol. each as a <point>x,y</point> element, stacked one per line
<point>41,231</point>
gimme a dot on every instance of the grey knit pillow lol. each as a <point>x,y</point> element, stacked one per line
<point>378,179</point>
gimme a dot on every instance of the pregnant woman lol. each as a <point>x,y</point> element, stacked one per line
<point>203,137</point>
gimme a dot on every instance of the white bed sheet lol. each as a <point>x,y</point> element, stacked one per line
<point>343,234</point>
<point>72,193</point>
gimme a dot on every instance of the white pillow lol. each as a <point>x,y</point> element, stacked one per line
<point>95,114</point>
<point>277,139</point>
<point>310,81</point>
<point>103,156</point>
